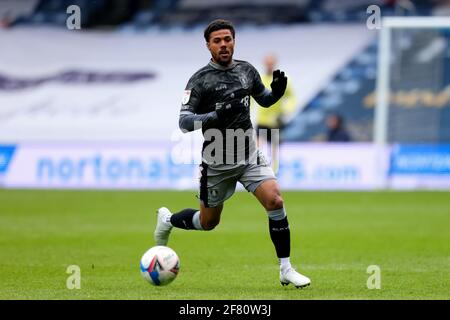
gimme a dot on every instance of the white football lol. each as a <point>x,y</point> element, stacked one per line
<point>160,265</point>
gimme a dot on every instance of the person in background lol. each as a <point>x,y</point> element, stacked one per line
<point>277,116</point>
<point>336,129</point>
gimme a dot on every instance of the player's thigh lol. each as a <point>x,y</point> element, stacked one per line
<point>259,179</point>
<point>216,186</point>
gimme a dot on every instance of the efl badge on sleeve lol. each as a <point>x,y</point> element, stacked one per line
<point>186,96</point>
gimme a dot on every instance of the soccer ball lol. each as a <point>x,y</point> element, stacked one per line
<point>160,265</point>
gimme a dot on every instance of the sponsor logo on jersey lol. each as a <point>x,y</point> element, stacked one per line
<point>221,86</point>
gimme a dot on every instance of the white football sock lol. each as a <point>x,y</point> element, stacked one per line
<point>196,221</point>
<point>285,264</point>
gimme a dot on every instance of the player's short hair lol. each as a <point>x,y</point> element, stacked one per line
<point>218,24</point>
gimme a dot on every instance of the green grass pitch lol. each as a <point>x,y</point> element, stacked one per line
<point>335,237</point>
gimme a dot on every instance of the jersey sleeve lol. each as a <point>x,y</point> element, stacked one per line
<point>191,97</point>
<point>258,87</point>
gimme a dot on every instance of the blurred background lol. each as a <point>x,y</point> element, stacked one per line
<point>90,95</point>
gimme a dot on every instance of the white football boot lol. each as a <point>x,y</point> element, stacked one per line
<point>292,276</point>
<point>163,227</point>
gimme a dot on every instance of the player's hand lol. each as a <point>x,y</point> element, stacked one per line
<point>223,111</point>
<point>278,84</point>
<point>228,109</point>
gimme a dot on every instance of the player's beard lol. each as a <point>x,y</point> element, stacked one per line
<point>224,60</point>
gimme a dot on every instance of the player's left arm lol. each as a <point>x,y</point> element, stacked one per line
<point>264,96</point>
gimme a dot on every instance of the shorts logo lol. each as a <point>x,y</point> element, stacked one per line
<point>213,193</point>
<point>186,96</point>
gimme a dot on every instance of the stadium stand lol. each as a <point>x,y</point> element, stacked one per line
<point>188,13</point>
<point>350,92</point>
<point>346,94</point>
<point>415,95</point>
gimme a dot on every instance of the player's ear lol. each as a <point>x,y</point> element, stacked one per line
<point>207,45</point>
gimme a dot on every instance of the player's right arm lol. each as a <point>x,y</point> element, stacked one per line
<point>189,119</point>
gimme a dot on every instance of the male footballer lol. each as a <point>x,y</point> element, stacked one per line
<point>217,100</point>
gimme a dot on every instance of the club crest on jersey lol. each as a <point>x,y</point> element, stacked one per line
<point>244,82</point>
<point>186,96</point>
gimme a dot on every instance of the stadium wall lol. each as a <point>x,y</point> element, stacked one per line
<point>302,166</point>
<point>112,86</point>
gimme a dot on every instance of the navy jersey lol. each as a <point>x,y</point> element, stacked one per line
<point>214,85</point>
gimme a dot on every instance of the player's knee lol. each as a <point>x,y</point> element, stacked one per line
<point>210,224</point>
<point>209,227</point>
<point>275,202</point>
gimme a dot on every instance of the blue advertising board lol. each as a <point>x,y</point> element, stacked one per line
<point>420,160</point>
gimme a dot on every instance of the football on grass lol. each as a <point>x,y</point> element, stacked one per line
<point>160,265</point>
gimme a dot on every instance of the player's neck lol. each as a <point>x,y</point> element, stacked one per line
<point>222,66</point>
